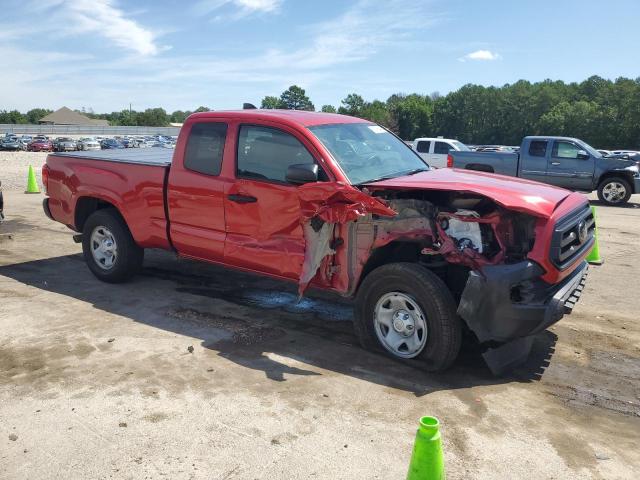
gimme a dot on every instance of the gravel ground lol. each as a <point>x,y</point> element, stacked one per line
<point>195,372</point>
<point>14,168</point>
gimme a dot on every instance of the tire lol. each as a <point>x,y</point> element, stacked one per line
<point>614,191</point>
<point>404,284</point>
<point>103,230</point>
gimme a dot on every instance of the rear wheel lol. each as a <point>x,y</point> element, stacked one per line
<point>109,249</point>
<point>407,312</point>
<point>614,191</point>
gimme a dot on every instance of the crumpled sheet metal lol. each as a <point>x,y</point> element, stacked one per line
<point>338,203</point>
<point>468,257</point>
<point>333,203</point>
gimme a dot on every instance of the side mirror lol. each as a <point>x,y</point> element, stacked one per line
<point>583,155</point>
<point>302,173</point>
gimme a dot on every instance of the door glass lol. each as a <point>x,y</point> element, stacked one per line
<point>538,148</point>
<point>565,150</point>
<point>423,146</point>
<point>441,148</point>
<point>266,153</point>
<point>205,147</point>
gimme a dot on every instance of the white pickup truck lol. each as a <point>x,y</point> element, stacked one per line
<point>434,151</point>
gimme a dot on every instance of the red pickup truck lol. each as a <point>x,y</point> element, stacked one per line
<point>340,204</point>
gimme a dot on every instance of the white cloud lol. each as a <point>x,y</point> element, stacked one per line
<point>86,17</point>
<point>316,54</point>
<point>242,8</point>
<point>103,18</point>
<point>481,55</point>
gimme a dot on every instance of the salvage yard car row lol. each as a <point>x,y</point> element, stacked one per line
<point>43,143</point>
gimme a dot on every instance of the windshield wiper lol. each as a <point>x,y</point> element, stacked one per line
<point>395,175</point>
<point>416,170</point>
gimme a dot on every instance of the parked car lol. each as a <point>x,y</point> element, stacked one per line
<point>562,161</point>
<point>435,150</point>
<point>25,140</point>
<point>40,145</point>
<point>64,144</point>
<point>88,143</point>
<point>278,193</point>
<point>624,152</point>
<point>110,143</point>
<point>604,153</point>
<point>11,143</point>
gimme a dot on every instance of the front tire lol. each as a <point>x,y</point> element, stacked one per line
<point>614,191</point>
<point>407,312</point>
<point>110,251</point>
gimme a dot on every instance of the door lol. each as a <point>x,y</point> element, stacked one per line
<point>262,210</point>
<point>533,161</point>
<point>423,148</point>
<point>196,194</point>
<point>570,166</point>
<point>439,157</point>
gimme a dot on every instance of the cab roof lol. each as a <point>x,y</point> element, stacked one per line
<point>295,117</point>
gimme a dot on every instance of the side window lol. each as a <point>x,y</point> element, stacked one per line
<point>565,149</point>
<point>205,147</point>
<point>423,146</point>
<point>538,148</point>
<point>441,148</point>
<point>265,153</point>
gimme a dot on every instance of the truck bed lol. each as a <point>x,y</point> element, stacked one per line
<point>504,163</point>
<point>131,180</point>
<point>156,157</point>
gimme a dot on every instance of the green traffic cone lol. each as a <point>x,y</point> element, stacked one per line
<point>32,183</point>
<point>427,461</point>
<point>594,256</point>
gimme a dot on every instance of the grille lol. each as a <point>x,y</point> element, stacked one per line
<point>572,236</point>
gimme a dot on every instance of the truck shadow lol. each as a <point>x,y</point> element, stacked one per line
<point>258,323</point>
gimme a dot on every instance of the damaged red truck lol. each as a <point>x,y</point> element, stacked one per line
<point>341,204</point>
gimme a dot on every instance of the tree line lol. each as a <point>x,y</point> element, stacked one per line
<point>151,117</point>
<point>602,112</point>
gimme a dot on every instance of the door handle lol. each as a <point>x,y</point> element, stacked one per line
<point>555,163</point>
<point>234,197</point>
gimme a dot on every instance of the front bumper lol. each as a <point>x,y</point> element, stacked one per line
<point>509,303</point>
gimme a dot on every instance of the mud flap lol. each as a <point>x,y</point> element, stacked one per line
<point>509,355</point>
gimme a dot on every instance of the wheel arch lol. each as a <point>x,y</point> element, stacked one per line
<point>86,205</point>
<point>625,175</point>
<point>393,252</point>
<point>479,167</point>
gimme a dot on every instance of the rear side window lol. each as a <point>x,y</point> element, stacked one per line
<point>205,147</point>
<point>441,148</point>
<point>565,150</point>
<point>266,153</point>
<point>538,148</point>
<point>423,146</point>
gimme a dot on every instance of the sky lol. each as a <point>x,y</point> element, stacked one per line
<point>106,54</point>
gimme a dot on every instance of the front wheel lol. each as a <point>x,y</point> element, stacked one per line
<point>614,191</point>
<point>407,312</point>
<point>110,251</point>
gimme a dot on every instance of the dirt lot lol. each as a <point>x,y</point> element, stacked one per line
<point>97,380</point>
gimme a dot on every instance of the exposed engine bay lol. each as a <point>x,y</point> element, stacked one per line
<point>440,229</point>
<point>444,229</point>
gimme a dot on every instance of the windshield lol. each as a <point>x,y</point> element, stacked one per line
<point>367,152</point>
<point>460,146</point>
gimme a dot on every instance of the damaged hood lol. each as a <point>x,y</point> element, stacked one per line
<point>526,196</point>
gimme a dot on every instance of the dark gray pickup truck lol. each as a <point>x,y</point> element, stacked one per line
<point>565,162</point>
